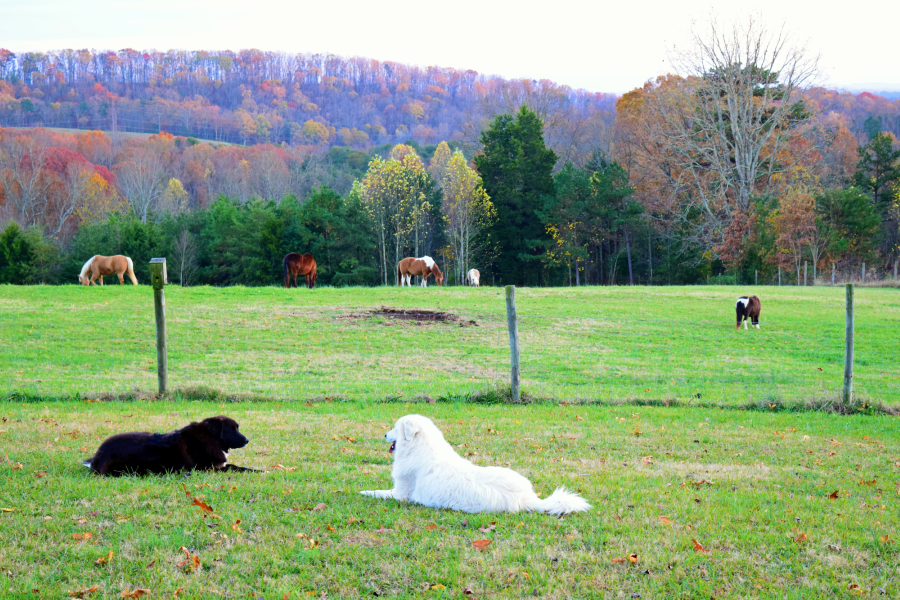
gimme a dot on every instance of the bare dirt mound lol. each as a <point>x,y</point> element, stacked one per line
<point>415,314</point>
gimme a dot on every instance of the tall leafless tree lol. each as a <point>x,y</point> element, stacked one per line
<point>186,257</point>
<point>142,179</point>
<point>23,179</point>
<point>725,127</point>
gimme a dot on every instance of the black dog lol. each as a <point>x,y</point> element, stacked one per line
<point>200,446</point>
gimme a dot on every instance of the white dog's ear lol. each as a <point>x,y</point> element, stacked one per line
<point>410,429</point>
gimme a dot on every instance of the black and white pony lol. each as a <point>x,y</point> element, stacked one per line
<point>748,308</point>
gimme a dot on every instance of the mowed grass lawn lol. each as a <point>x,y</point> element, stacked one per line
<point>595,344</point>
<point>706,502</point>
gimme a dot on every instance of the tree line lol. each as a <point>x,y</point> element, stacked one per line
<point>506,213</point>
<point>731,167</point>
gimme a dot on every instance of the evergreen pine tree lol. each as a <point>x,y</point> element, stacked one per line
<point>516,170</point>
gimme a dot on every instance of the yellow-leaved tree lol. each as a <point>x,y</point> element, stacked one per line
<point>440,162</point>
<point>467,209</point>
<point>98,199</point>
<point>175,198</point>
<point>394,193</point>
<point>315,132</point>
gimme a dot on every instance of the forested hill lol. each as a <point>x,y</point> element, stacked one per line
<point>252,97</point>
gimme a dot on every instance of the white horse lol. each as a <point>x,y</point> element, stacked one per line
<point>472,277</point>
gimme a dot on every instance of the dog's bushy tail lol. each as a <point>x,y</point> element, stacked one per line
<point>562,502</point>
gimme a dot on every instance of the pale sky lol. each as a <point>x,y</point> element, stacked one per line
<point>611,46</point>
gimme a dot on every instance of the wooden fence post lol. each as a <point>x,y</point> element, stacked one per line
<point>779,276</point>
<point>832,273</point>
<point>159,278</point>
<point>805,264</point>
<point>847,394</point>
<point>863,280</point>
<point>755,277</point>
<point>512,324</point>
<point>895,270</point>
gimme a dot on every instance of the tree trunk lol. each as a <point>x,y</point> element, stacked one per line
<point>628,252</point>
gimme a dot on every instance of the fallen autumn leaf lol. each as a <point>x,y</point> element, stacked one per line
<point>192,563</point>
<point>698,547</point>
<point>203,505</point>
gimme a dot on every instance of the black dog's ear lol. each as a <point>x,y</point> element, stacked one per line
<point>215,427</point>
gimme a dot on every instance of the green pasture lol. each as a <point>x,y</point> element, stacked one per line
<point>608,344</point>
<point>786,505</point>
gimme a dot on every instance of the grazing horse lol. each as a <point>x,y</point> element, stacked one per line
<point>748,308</point>
<point>98,266</point>
<point>424,266</point>
<point>302,264</point>
<point>472,277</point>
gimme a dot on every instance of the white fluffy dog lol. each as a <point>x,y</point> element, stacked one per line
<point>428,471</point>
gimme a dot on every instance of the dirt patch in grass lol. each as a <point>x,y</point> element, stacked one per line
<point>418,315</point>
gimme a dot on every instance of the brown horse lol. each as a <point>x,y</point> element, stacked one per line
<point>424,266</point>
<point>299,264</point>
<point>748,309</point>
<point>98,266</point>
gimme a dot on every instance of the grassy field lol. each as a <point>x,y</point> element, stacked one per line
<point>688,502</point>
<point>788,505</point>
<point>674,344</point>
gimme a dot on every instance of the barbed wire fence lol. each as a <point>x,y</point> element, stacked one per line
<point>376,353</point>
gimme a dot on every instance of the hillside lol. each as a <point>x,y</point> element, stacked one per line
<point>269,97</point>
<point>253,96</point>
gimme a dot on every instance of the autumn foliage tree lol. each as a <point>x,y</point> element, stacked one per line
<point>795,224</point>
<point>708,142</point>
<point>395,193</point>
<point>467,209</point>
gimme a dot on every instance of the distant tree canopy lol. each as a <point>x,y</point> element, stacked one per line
<point>256,97</point>
<point>228,243</point>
